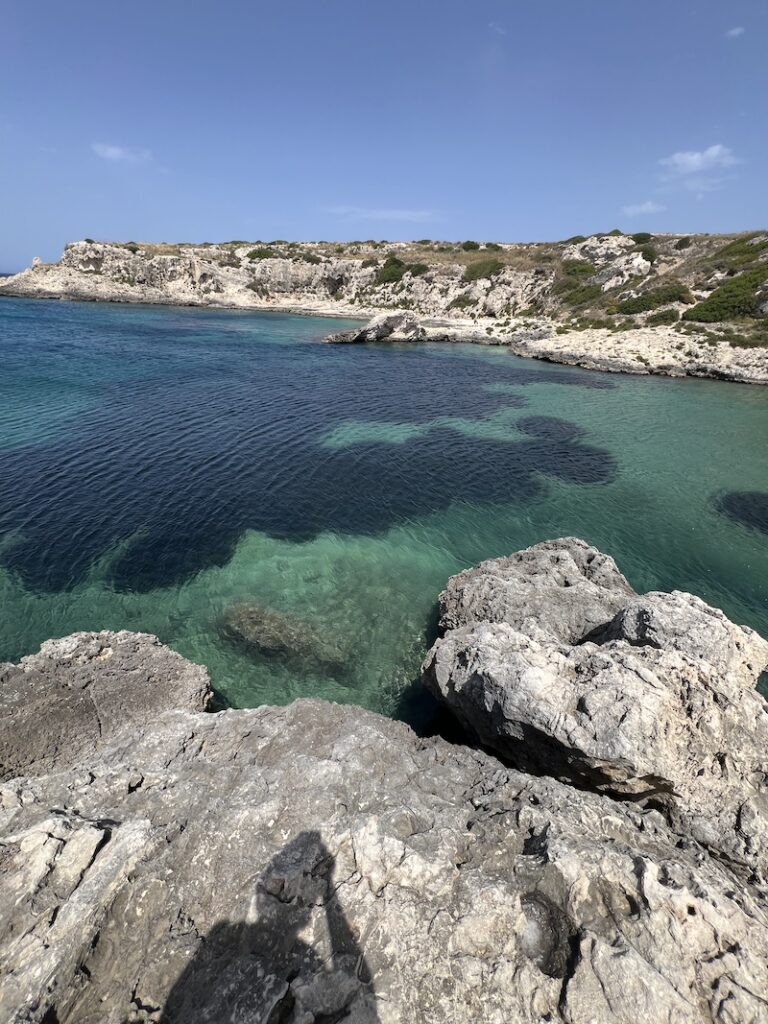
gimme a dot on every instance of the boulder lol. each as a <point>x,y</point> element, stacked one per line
<point>384,327</point>
<point>279,635</point>
<point>656,706</point>
<point>62,703</point>
<point>565,587</point>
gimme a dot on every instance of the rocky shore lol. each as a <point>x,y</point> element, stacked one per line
<point>593,853</point>
<point>561,302</point>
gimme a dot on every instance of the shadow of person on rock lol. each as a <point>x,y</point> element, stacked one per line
<point>294,960</point>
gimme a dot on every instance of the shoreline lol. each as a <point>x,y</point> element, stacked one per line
<point>512,310</point>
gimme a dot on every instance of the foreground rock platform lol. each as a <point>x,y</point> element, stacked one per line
<point>320,863</point>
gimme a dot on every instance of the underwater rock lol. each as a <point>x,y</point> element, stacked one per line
<point>275,634</point>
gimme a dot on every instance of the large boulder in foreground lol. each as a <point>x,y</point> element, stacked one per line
<point>319,863</point>
<point>59,705</point>
<point>565,587</point>
<point>657,705</point>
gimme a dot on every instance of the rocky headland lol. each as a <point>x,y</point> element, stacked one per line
<point>669,304</point>
<point>594,852</point>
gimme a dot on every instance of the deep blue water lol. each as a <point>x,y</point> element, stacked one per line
<point>159,464</point>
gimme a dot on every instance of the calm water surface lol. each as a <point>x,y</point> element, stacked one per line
<point>160,465</point>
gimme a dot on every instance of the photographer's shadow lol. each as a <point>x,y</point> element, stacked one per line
<point>295,961</point>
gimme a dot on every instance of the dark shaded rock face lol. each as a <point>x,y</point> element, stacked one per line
<point>270,633</point>
<point>318,863</point>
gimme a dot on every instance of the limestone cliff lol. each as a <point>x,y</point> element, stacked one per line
<point>674,305</point>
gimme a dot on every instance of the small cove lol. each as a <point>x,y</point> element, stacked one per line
<point>161,466</point>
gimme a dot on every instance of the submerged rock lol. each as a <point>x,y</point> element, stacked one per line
<point>657,705</point>
<point>277,634</point>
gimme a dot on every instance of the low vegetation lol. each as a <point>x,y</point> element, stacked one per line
<point>395,269</point>
<point>263,253</point>
<point>663,295</point>
<point>481,269</point>
<point>737,297</point>
<point>663,317</point>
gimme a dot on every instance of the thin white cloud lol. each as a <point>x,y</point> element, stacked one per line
<point>735,32</point>
<point>642,209</point>
<point>121,154</point>
<point>494,26</point>
<point>380,213</point>
<point>698,161</point>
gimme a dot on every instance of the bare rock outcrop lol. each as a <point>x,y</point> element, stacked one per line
<point>317,863</point>
<point>658,705</point>
<point>61,704</point>
<point>566,587</point>
<point>321,863</point>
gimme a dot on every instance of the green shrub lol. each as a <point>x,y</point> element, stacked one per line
<point>648,253</point>
<point>671,291</point>
<point>90,241</point>
<point>370,262</point>
<point>264,253</point>
<point>470,246</point>
<point>615,233</point>
<point>581,294</point>
<point>483,269</point>
<point>734,298</point>
<point>665,316</point>
<point>641,237</point>
<point>493,247</point>
<point>462,302</point>
<point>575,239</point>
<point>742,251</point>
<point>309,257</point>
<point>278,241</point>
<point>578,268</point>
<point>424,241</point>
<point>683,243</point>
<point>132,247</point>
<point>395,269</point>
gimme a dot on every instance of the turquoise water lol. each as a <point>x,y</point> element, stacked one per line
<point>160,466</point>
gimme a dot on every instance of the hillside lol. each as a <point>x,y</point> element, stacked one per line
<point>691,291</point>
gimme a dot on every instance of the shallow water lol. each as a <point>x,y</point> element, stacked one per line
<point>160,465</point>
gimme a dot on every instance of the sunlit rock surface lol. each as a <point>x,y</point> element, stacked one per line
<point>321,863</point>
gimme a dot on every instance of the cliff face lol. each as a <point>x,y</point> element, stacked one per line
<point>676,305</point>
<point>318,863</point>
<point>226,276</point>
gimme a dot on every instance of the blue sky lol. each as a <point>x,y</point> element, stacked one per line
<point>342,119</point>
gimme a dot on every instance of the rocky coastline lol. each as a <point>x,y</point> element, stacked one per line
<point>561,303</point>
<point>593,852</point>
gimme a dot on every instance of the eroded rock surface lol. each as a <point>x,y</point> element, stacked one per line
<point>657,705</point>
<point>319,863</point>
<point>61,704</point>
<point>565,587</point>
